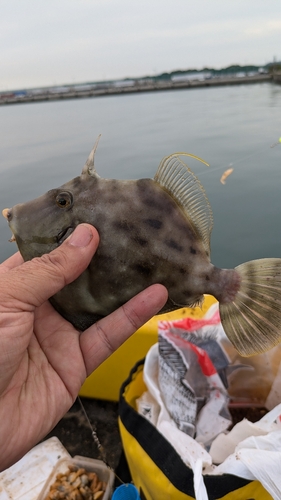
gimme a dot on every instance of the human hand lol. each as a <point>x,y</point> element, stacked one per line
<point>44,360</point>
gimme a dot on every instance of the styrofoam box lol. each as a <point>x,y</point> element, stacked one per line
<point>90,465</point>
<point>25,479</point>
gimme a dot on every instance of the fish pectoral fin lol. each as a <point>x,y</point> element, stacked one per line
<point>252,322</point>
<point>181,183</point>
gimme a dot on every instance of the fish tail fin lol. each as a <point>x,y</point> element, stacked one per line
<point>252,322</point>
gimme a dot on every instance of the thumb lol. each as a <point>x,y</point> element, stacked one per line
<point>40,278</point>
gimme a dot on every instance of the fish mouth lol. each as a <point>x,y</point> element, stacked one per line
<point>62,235</point>
<point>7,213</point>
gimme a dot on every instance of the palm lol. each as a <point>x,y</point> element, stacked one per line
<point>43,383</point>
<point>43,359</point>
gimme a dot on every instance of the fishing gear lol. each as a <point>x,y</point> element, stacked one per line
<point>230,168</point>
<point>97,442</point>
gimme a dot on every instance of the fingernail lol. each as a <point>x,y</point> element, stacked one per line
<point>81,236</point>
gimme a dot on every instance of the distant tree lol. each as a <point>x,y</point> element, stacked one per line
<point>274,68</point>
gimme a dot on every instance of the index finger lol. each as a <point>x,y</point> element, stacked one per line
<point>103,338</point>
<point>13,261</point>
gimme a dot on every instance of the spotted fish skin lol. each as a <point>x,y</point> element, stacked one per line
<point>144,239</point>
<point>151,231</point>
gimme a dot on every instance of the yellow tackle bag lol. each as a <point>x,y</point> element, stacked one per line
<point>155,467</point>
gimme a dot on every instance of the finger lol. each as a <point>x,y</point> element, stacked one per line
<point>39,279</point>
<point>105,336</point>
<point>13,261</point>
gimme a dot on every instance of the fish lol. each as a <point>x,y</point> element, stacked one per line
<point>151,231</point>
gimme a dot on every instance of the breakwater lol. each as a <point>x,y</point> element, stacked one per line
<point>97,90</point>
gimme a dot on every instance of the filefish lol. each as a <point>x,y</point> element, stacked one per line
<point>151,231</point>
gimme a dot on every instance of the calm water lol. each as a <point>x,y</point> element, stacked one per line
<point>46,144</point>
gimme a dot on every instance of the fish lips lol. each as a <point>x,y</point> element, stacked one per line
<point>7,213</point>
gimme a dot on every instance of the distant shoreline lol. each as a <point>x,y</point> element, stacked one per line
<point>137,87</point>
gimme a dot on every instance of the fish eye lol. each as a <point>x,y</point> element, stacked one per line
<point>64,199</point>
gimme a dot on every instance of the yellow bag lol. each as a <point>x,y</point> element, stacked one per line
<point>156,469</point>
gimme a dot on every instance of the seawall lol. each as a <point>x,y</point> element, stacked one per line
<point>113,89</point>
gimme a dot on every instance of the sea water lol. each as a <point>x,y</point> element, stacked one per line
<point>43,145</point>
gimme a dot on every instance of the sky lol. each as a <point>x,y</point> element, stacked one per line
<point>57,42</point>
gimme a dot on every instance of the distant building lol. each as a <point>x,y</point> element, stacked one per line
<point>124,83</point>
<point>189,77</point>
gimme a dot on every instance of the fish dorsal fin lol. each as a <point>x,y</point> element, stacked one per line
<point>180,182</point>
<point>89,167</point>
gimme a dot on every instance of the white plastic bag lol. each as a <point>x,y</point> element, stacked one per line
<point>249,450</point>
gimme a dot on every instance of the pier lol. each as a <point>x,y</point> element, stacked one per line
<point>117,88</point>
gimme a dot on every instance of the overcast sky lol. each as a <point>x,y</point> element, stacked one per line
<point>54,42</point>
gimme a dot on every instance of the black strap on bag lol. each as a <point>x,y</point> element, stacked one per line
<point>165,456</point>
